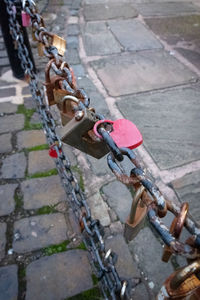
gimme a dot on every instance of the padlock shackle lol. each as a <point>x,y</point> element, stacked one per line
<point>184,273</point>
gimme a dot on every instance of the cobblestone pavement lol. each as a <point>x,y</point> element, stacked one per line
<point>137,59</point>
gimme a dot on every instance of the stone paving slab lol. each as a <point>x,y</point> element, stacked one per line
<point>188,190</point>
<point>14,166</point>
<point>8,283</point>
<point>98,40</point>
<point>40,231</point>
<point>180,32</point>
<point>11,123</point>
<point>59,276</point>
<point>7,203</point>
<point>148,252</point>
<point>6,92</point>
<point>133,35</point>
<point>99,209</point>
<point>141,71</point>
<point>42,191</point>
<point>40,161</point>
<point>30,138</point>
<point>7,107</point>
<point>168,122</point>
<point>125,265</point>
<point>94,12</point>
<point>3,227</point>
<point>119,199</point>
<point>167,9</point>
<point>5,142</point>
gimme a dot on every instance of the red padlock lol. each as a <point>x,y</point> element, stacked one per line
<point>52,152</point>
<point>124,133</point>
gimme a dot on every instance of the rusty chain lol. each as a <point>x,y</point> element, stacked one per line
<point>112,286</point>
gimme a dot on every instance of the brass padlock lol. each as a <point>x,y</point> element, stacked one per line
<point>137,215</point>
<point>182,284</point>
<point>176,229</point>
<point>76,134</point>
<point>67,108</point>
<point>54,40</point>
<point>50,82</point>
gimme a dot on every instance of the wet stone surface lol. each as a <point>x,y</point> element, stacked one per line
<point>181,33</point>
<point>14,166</point>
<point>40,161</point>
<point>188,190</point>
<point>161,115</point>
<point>37,232</point>
<point>59,276</point>
<point>8,283</point>
<point>2,240</point>
<point>36,195</point>
<point>7,203</point>
<point>147,69</point>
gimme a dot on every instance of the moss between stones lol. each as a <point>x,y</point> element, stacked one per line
<point>39,147</point>
<point>28,114</point>
<point>93,294</point>
<point>80,173</point>
<point>45,210</point>
<point>81,246</point>
<point>18,200</point>
<point>94,279</point>
<point>43,174</point>
<point>55,248</point>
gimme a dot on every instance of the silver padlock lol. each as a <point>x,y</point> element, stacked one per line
<point>137,215</point>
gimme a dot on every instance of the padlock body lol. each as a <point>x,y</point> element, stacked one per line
<point>131,230</point>
<point>75,135</point>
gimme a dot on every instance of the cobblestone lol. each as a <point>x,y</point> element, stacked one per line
<point>99,209</point>
<point>114,192</point>
<point>14,166</point>
<point>125,265</point>
<point>42,191</point>
<point>31,138</point>
<point>11,123</point>
<point>7,203</point>
<point>8,283</point>
<point>29,103</point>
<point>40,161</point>
<point>35,119</point>
<point>2,240</point>
<point>73,29</point>
<point>58,276</point>
<point>37,232</point>
<point>7,107</point>
<point>5,142</point>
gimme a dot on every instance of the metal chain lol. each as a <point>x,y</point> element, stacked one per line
<point>112,286</point>
<point>157,206</point>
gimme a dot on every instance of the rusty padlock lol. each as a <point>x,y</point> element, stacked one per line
<point>182,284</point>
<point>176,229</point>
<point>137,215</point>
<point>50,82</point>
<point>76,134</point>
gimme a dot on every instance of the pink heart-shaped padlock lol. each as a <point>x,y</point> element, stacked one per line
<point>125,133</point>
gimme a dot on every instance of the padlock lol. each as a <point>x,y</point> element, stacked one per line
<point>124,133</point>
<point>67,108</point>
<point>76,134</point>
<point>40,48</point>
<point>54,40</point>
<point>26,20</point>
<point>182,284</point>
<point>50,82</point>
<point>176,229</point>
<point>137,215</point>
